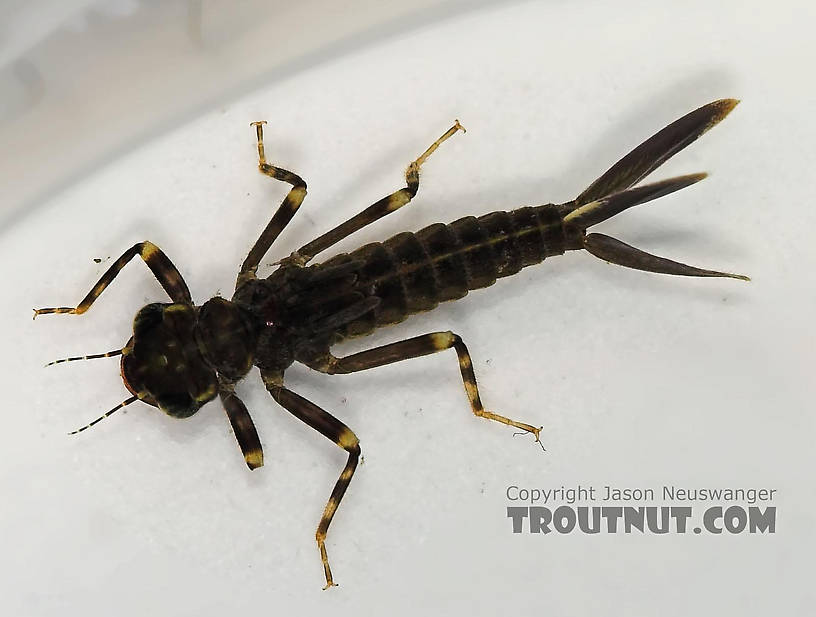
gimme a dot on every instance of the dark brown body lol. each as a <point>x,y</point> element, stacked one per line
<point>382,283</point>
<point>413,272</point>
<point>182,355</point>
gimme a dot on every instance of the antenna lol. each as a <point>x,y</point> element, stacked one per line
<point>107,354</point>
<point>106,414</point>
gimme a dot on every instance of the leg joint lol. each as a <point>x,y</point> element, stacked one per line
<point>348,441</point>
<point>283,175</point>
<point>444,340</point>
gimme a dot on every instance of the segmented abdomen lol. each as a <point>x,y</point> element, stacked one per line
<point>414,272</point>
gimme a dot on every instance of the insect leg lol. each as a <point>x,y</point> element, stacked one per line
<point>415,348</point>
<point>242,426</point>
<point>282,216</point>
<point>339,433</point>
<point>376,211</point>
<point>162,268</point>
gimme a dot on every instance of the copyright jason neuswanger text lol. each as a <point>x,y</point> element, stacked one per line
<point>612,509</point>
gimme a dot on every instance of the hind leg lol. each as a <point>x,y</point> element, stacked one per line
<point>415,348</point>
<point>386,205</point>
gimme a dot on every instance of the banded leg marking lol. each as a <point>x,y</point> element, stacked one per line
<point>161,266</point>
<point>282,216</point>
<point>242,426</point>
<point>414,348</point>
<point>329,426</point>
<point>379,209</point>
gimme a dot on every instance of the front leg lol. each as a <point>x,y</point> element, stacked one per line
<point>162,268</point>
<point>242,426</point>
<point>415,348</point>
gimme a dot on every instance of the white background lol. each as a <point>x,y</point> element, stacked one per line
<point>639,380</point>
